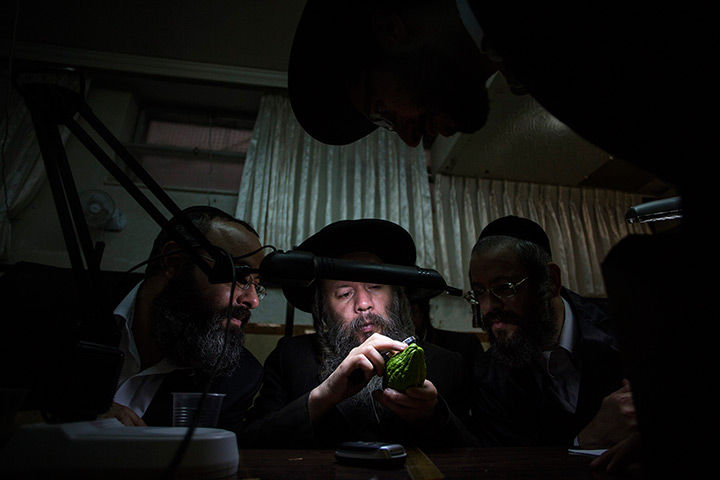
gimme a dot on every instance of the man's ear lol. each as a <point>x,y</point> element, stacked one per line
<point>387,28</point>
<point>555,278</point>
<point>174,259</point>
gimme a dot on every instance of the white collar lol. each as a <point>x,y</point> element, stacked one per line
<point>126,309</point>
<point>125,315</point>
<point>568,334</point>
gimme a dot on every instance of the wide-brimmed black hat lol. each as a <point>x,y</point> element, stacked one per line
<point>390,242</point>
<point>330,41</point>
<point>518,227</point>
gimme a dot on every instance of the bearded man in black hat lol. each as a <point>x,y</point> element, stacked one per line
<point>552,375</point>
<point>326,387</point>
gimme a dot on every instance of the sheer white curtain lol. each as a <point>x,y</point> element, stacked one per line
<point>582,224</point>
<point>21,165</point>
<point>292,185</point>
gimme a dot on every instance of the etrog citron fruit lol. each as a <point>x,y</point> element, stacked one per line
<point>405,369</point>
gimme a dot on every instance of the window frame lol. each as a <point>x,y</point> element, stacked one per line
<point>192,116</point>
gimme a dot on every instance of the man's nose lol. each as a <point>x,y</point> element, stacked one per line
<point>490,303</point>
<point>247,298</point>
<point>363,301</point>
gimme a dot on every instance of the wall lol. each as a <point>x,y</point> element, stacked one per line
<point>37,235</point>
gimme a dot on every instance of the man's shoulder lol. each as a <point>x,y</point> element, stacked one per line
<point>594,317</point>
<point>455,341</point>
<point>294,349</point>
<point>440,355</point>
<point>297,341</point>
<point>594,309</point>
<point>246,377</point>
<point>249,361</point>
<point>429,346</point>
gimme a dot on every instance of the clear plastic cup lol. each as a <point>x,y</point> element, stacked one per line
<point>185,407</point>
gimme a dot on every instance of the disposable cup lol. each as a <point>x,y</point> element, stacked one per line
<point>185,407</point>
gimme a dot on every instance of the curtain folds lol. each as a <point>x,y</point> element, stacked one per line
<point>582,224</point>
<point>292,185</point>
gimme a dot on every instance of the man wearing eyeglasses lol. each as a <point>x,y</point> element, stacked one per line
<point>552,375</point>
<point>182,333</point>
<point>324,388</point>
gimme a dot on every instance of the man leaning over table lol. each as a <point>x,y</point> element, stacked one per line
<point>309,396</point>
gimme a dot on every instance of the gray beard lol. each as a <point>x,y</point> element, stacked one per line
<point>340,339</point>
<point>192,334</point>
<point>347,337</point>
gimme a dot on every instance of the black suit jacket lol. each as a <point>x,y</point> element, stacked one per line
<point>239,388</point>
<point>280,418</point>
<point>514,406</point>
<point>466,344</point>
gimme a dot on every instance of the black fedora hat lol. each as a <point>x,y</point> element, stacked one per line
<point>390,242</point>
<point>329,41</point>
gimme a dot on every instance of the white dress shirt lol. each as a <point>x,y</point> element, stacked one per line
<point>561,362</point>
<point>136,387</point>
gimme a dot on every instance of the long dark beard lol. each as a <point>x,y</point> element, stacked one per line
<point>339,339</point>
<point>192,333</point>
<point>530,340</point>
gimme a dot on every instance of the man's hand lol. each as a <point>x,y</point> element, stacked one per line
<point>344,382</point>
<point>124,414</point>
<point>621,456</point>
<point>614,422</point>
<point>414,406</point>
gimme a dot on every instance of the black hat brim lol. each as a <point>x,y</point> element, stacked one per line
<point>390,242</point>
<point>328,39</point>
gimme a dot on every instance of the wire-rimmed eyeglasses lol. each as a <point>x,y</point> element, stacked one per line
<point>504,290</point>
<point>259,289</point>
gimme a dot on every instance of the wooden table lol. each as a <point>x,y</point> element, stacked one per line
<point>465,463</point>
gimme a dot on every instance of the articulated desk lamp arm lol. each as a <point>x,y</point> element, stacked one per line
<point>90,344</point>
<point>53,105</point>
